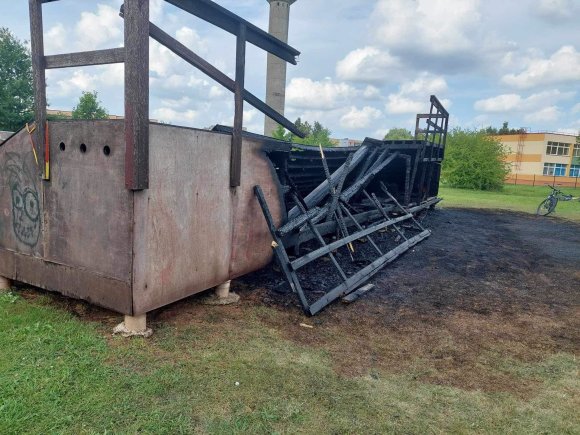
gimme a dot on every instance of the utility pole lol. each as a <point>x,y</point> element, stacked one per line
<point>276,73</point>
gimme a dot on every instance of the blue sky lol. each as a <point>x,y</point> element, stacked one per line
<point>366,65</point>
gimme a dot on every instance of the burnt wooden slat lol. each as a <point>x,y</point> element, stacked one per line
<point>137,94</point>
<point>325,250</point>
<point>318,194</point>
<point>85,58</point>
<point>366,273</point>
<point>351,297</point>
<point>39,80</point>
<point>236,156</point>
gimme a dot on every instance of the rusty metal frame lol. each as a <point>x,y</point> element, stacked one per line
<point>135,55</point>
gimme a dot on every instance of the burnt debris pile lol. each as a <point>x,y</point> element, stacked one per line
<point>351,211</point>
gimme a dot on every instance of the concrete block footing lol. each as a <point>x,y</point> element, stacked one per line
<point>133,326</point>
<point>222,295</point>
<point>4,283</point>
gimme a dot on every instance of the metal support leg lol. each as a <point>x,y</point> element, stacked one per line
<point>134,326</point>
<point>222,295</point>
<point>4,283</point>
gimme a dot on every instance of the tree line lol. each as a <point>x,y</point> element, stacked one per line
<point>473,158</point>
<point>16,88</point>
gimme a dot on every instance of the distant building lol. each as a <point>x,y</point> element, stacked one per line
<point>68,114</point>
<point>543,158</point>
<point>343,143</point>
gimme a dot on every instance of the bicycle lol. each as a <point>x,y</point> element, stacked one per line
<point>549,204</point>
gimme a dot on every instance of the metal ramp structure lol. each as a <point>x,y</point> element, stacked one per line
<point>114,211</point>
<point>352,218</point>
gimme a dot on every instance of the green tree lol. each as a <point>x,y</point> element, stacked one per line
<point>474,160</point>
<point>16,89</point>
<point>505,129</point>
<point>89,107</point>
<point>316,134</point>
<point>397,133</point>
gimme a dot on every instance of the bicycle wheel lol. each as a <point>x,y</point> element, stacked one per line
<point>546,207</point>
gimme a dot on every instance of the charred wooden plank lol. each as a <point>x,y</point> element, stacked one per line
<point>311,256</point>
<point>279,250</point>
<point>366,273</point>
<point>318,194</point>
<point>298,222</point>
<point>351,297</point>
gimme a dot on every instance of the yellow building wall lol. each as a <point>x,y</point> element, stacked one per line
<point>534,156</point>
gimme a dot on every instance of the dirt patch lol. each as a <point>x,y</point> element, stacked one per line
<point>484,287</point>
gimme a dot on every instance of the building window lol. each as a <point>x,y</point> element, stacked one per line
<point>557,169</point>
<point>576,150</point>
<point>558,149</point>
<point>575,171</point>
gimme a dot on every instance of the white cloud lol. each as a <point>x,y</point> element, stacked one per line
<point>173,116</point>
<point>372,93</point>
<point>55,39</point>
<point>425,84</point>
<point>540,107</point>
<point>422,30</point>
<point>304,93</point>
<point>563,66</point>
<point>191,39</point>
<point>176,104</point>
<point>555,11</point>
<point>356,119</point>
<point>156,10</point>
<point>103,29</point>
<point>576,108</point>
<point>551,113</point>
<point>398,105</point>
<point>62,83</point>
<point>250,115</point>
<point>500,103</point>
<point>413,95</point>
<point>367,65</point>
<point>162,61</point>
<point>216,92</point>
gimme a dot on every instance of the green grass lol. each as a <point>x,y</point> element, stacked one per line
<point>61,375</point>
<point>516,198</point>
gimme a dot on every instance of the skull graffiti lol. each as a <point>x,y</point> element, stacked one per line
<point>25,202</point>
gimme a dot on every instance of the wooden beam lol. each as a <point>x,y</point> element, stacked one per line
<point>39,81</point>
<point>137,94</point>
<point>85,58</point>
<point>219,16</point>
<point>236,155</point>
<point>205,67</point>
